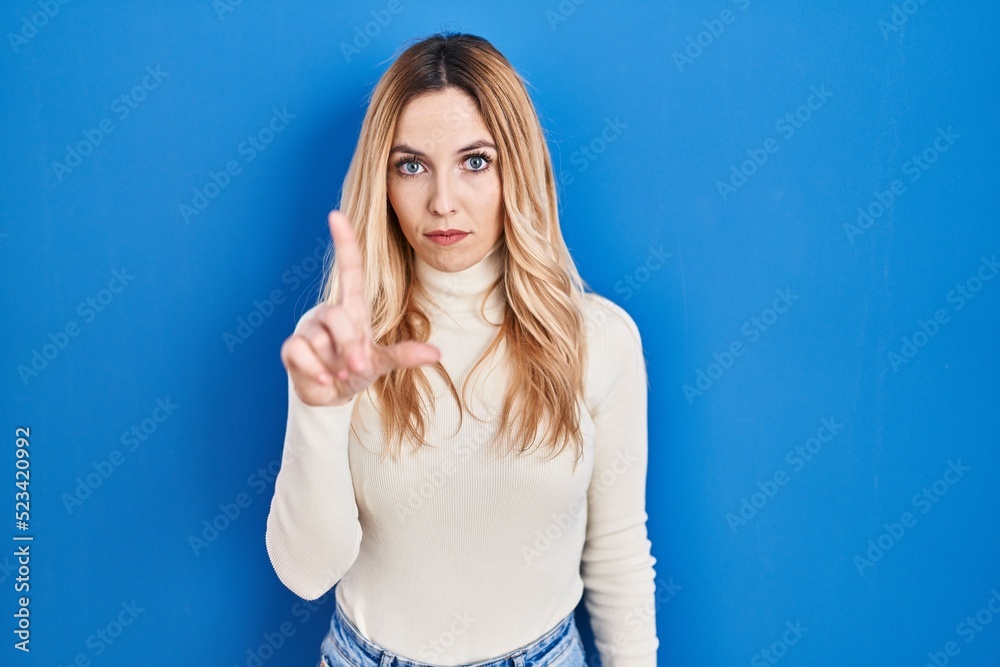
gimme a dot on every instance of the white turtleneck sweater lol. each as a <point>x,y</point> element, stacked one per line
<point>456,553</point>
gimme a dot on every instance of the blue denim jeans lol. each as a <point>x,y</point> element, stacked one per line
<point>345,646</point>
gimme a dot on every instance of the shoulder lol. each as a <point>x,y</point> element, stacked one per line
<point>614,349</point>
<point>608,325</point>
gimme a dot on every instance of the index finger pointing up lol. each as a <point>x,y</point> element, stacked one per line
<point>348,257</point>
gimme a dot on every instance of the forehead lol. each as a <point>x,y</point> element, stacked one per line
<point>440,121</point>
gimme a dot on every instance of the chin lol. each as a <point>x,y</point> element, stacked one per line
<point>451,264</point>
<point>447,259</point>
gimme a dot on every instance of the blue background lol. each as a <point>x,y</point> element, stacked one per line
<point>728,586</point>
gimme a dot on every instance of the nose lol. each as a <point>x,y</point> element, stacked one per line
<point>442,201</point>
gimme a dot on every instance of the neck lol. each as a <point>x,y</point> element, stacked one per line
<point>465,291</point>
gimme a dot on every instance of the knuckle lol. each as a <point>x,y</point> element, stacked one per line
<point>333,314</point>
<point>381,361</point>
<point>289,350</point>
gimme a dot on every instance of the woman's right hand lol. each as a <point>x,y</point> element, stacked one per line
<point>333,357</point>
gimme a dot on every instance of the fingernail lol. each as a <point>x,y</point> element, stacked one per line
<point>324,378</point>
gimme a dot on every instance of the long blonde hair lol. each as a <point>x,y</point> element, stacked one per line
<point>543,325</point>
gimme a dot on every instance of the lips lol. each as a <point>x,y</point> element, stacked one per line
<point>446,236</point>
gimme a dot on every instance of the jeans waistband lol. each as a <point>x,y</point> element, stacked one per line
<point>516,658</point>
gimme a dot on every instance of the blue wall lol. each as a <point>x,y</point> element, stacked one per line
<point>796,202</point>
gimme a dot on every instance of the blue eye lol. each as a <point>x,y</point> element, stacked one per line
<point>406,164</point>
<point>482,162</point>
<point>409,165</point>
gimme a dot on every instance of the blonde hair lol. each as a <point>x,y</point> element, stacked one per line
<point>543,325</point>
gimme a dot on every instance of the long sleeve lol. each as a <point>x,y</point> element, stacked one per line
<point>617,561</point>
<point>313,534</point>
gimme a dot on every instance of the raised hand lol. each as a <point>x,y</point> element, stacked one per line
<point>333,357</point>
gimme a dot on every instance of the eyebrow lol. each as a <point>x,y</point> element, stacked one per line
<point>482,143</point>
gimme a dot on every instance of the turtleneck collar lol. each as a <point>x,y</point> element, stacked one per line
<point>463,292</point>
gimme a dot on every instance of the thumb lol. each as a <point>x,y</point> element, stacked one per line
<point>410,354</point>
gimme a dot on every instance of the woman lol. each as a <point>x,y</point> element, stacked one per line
<point>465,453</point>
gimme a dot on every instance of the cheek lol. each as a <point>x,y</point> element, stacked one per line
<point>403,194</point>
<point>494,197</point>
<point>486,190</point>
<point>396,199</point>
<point>402,203</point>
